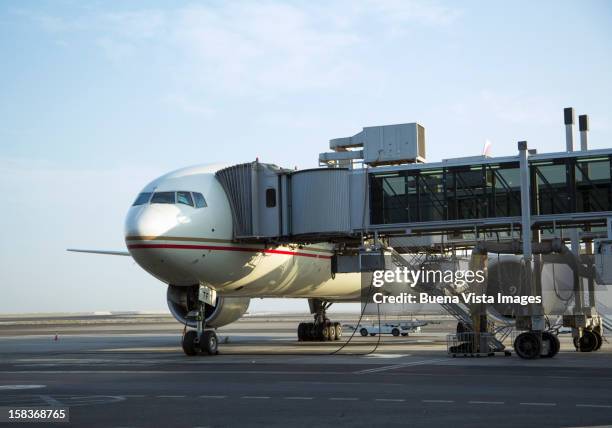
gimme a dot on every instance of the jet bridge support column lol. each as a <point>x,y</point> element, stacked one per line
<point>528,344</point>
<point>478,312</point>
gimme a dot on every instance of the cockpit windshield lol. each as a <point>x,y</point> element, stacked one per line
<point>184,198</point>
<point>193,199</point>
<point>163,198</point>
<point>142,199</point>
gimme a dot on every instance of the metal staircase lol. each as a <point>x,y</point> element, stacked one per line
<point>458,310</point>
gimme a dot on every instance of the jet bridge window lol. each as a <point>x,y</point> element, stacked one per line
<point>184,198</point>
<point>142,198</point>
<point>163,198</point>
<point>200,202</point>
<point>270,198</point>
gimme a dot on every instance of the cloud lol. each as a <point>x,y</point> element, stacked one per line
<point>255,49</point>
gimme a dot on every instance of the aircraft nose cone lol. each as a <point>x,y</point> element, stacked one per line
<point>152,221</point>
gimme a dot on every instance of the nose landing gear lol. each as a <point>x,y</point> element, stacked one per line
<point>201,341</point>
<point>207,343</point>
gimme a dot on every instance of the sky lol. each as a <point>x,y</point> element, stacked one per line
<point>99,98</point>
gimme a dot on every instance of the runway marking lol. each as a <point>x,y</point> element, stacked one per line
<point>438,401</point>
<point>603,406</point>
<point>390,399</point>
<point>134,396</point>
<point>374,356</point>
<point>538,404</point>
<point>17,387</point>
<point>213,396</point>
<point>255,397</point>
<point>298,398</point>
<point>170,396</point>
<point>343,398</point>
<point>399,366</point>
<point>51,401</point>
<point>486,402</point>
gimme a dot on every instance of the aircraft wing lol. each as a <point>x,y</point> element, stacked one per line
<point>108,253</point>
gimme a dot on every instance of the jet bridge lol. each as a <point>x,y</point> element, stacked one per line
<point>376,185</point>
<point>566,190</point>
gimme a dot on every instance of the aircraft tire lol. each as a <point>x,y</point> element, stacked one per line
<point>588,341</point>
<point>209,343</point>
<point>189,344</point>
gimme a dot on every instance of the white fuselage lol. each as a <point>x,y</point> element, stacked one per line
<point>183,245</point>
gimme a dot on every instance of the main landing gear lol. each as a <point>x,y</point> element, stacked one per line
<point>322,329</point>
<point>201,341</point>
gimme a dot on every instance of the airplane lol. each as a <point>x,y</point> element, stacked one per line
<point>179,229</point>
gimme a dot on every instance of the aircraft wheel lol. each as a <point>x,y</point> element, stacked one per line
<point>588,341</point>
<point>553,344</point>
<point>311,333</point>
<point>363,332</point>
<point>527,345</point>
<point>322,333</point>
<point>301,331</point>
<point>599,340</point>
<point>331,332</point>
<point>395,332</point>
<point>209,342</point>
<point>338,330</point>
<point>190,347</point>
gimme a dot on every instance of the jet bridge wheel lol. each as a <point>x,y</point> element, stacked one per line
<point>599,340</point>
<point>588,342</point>
<point>527,345</point>
<point>553,344</point>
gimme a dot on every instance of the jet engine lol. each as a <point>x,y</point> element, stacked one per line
<point>182,300</point>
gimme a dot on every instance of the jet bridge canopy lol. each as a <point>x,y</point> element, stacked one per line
<point>564,187</point>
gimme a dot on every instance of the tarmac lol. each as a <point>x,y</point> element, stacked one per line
<point>129,371</point>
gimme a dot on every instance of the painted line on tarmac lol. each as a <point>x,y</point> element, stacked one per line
<point>598,406</point>
<point>538,404</point>
<point>19,387</point>
<point>396,400</point>
<point>399,366</point>
<point>214,397</point>
<point>50,400</point>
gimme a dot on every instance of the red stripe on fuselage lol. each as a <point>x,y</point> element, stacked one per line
<point>225,248</point>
